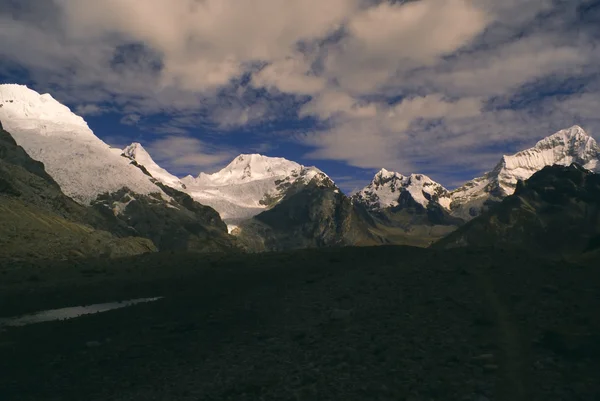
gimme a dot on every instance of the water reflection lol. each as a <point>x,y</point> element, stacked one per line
<point>69,313</point>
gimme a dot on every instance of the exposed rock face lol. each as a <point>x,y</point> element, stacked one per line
<point>180,224</point>
<point>249,185</point>
<point>557,210</point>
<point>408,210</point>
<point>311,215</point>
<point>390,189</point>
<point>38,221</point>
<point>136,152</point>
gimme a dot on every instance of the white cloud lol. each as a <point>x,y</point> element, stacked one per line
<point>181,154</point>
<point>89,110</point>
<point>392,37</point>
<point>505,68</point>
<point>334,102</point>
<point>382,137</point>
<point>205,44</point>
<point>130,119</point>
<point>289,75</point>
<point>451,62</point>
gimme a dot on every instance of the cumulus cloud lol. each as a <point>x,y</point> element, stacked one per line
<point>181,154</point>
<point>89,110</point>
<point>389,37</point>
<point>379,137</point>
<point>437,86</point>
<point>290,75</point>
<point>130,119</point>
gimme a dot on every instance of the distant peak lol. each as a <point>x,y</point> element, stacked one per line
<point>20,103</point>
<point>572,132</point>
<point>258,161</point>
<point>254,157</point>
<point>250,167</point>
<point>21,92</point>
<point>384,174</point>
<point>574,137</point>
<point>134,148</point>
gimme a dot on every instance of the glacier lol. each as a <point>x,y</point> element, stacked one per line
<point>85,167</point>
<point>82,164</point>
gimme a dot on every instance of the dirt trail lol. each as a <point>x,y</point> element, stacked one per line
<point>511,384</point>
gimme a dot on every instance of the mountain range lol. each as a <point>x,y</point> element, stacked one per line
<point>37,220</point>
<point>556,210</point>
<point>264,203</point>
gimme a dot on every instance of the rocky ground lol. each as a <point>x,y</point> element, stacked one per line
<point>385,323</point>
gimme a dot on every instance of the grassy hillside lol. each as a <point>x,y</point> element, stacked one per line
<point>29,232</point>
<point>38,221</point>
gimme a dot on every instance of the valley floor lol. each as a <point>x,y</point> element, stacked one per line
<point>385,323</point>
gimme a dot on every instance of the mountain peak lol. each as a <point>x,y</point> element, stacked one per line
<point>28,109</point>
<point>252,167</point>
<point>387,186</point>
<point>575,138</point>
<point>567,146</point>
<point>571,145</point>
<point>384,176</point>
<point>136,152</point>
<point>82,164</point>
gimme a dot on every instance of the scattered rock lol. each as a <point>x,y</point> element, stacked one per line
<point>550,289</point>
<point>483,357</point>
<point>340,314</point>
<point>490,367</point>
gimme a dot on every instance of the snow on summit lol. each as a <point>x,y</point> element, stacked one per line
<point>82,164</point>
<point>571,145</point>
<point>247,168</point>
<point>136,152</point>
<point>387,186</point>
<point>248,185</point>
<point>25,107</point>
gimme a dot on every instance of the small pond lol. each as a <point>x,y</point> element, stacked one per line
<point>69,313</point>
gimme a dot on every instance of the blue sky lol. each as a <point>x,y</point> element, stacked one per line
<point>441,87</point>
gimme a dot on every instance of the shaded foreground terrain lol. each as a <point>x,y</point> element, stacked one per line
<point>557,211</point>
<point>385,323</point>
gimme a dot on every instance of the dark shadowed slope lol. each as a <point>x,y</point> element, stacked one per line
<point>554,211</point>
<point>311,215</point>
<point>365,323</point>
<point>179,223</point>
<point>38,221</point>
<point>408,210</point>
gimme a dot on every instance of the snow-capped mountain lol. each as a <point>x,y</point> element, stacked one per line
<point>249,185</point>
<point>136,152</point>
<point>130,201</point>
<point>248,168</point>
<point>572,145</point>
<point>82,164</point>
<point>387,188</point>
